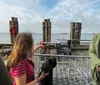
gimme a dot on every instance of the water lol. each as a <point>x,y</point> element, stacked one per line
<point>5,37</point>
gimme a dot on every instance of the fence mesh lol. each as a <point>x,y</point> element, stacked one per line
<point>70,70</point>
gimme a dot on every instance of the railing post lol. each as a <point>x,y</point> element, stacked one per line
<point>46,32</point>
<point>75,32</point>
<point>13,25</point>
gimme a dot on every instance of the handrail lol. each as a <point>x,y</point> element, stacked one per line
<point>64,56</point>
<point>72,40</point>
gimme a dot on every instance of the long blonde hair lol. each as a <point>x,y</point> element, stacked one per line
<point>22,47</point>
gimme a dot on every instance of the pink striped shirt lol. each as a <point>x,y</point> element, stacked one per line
<point>24,67</point>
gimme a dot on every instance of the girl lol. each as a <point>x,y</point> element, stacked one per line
<point>20,62</point>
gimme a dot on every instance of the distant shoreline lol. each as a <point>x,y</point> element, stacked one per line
<point>52,33</point>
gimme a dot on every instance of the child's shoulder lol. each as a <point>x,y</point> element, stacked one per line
<point>21,63</point>
<point>96,36</point>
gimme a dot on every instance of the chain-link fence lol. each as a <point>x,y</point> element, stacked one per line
<point>70,69</point>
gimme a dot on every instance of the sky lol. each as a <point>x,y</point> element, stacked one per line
<point>31,13</point>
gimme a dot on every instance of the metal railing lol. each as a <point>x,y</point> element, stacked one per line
<point>74,40</point>
<point>70,69</point>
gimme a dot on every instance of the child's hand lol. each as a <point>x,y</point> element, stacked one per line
<point>41,44</point>
<point>43,75</point>
<point>98,69</point>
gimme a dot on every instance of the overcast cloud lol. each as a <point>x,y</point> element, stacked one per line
<point>30,14</point>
